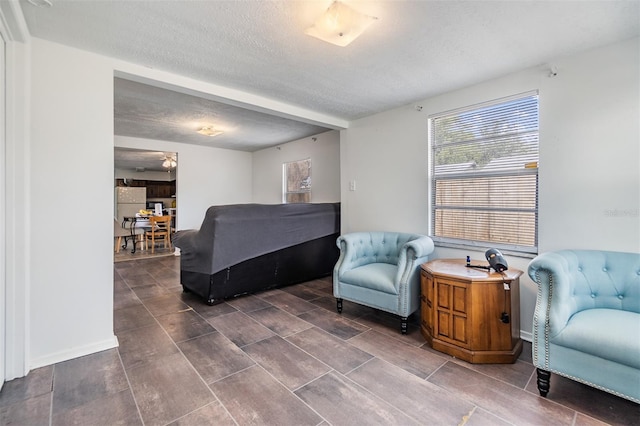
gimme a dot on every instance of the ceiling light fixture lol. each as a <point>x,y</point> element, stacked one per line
<point>169,162</point>
<point>340,24</point>
<point>210,131</point>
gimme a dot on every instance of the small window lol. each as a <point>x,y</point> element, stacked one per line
<point>484,172</point>
<point>297,181</point>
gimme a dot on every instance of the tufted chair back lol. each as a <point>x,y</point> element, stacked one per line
<point>376,247</point>
<point>590,279</point>
<point>380,270</point>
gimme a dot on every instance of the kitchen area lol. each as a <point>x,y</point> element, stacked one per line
<point>144,187</point>
<point>135,195</point>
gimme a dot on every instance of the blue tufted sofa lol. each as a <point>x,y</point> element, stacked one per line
<point>586,324</point>
<point>381,270</point>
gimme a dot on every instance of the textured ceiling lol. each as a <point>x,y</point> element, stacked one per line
<point>141,160</point>
<point>150,112</point>
<point>416,49</point>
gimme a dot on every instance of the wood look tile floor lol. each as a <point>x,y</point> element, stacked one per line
<point>282,357</point>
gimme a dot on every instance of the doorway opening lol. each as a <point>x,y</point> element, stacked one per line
<point>144,186</point>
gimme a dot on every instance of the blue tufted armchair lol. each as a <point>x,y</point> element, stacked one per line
<point>586,324</point>
<point>381,270</point>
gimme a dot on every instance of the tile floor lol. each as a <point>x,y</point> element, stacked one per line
<point>282,357</point>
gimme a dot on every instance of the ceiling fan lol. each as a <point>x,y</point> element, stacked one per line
<point>169,162</point>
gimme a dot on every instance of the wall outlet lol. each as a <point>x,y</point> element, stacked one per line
<point>352,185</point>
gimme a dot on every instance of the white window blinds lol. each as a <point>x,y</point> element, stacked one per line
<point>485,174</point>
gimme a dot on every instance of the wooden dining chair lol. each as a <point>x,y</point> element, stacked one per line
<point>160,230</point>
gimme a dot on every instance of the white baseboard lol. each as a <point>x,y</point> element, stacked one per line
<point>74,353</point>
<point>525,335</point>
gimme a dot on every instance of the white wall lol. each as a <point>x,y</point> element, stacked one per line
<point>325,168</point>
<point>589,152</point>
<point>386,156</point>
<point>71,165</point>
<point>205,177</point>
<point>17,193</point>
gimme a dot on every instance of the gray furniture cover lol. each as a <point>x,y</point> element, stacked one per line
<point>244,248</point>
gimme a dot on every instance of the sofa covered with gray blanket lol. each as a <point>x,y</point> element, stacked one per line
<point>245,248</point>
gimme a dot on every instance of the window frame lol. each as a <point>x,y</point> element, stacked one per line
<point>433,178</point>
<point>285,192</point>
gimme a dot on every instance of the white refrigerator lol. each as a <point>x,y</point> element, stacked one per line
<point>129,201</point>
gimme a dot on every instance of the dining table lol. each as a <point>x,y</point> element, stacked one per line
<point>131,222</point>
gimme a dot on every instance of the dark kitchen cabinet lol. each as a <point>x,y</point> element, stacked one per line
<point>155,188</point>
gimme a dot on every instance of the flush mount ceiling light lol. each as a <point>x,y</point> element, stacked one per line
<point>210,131</point>
<point>340,24</point>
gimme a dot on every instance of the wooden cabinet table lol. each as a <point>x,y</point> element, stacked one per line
<point>469,313</point>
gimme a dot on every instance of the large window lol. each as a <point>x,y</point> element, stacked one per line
<point>296,178</point>
<point>484,172</point>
